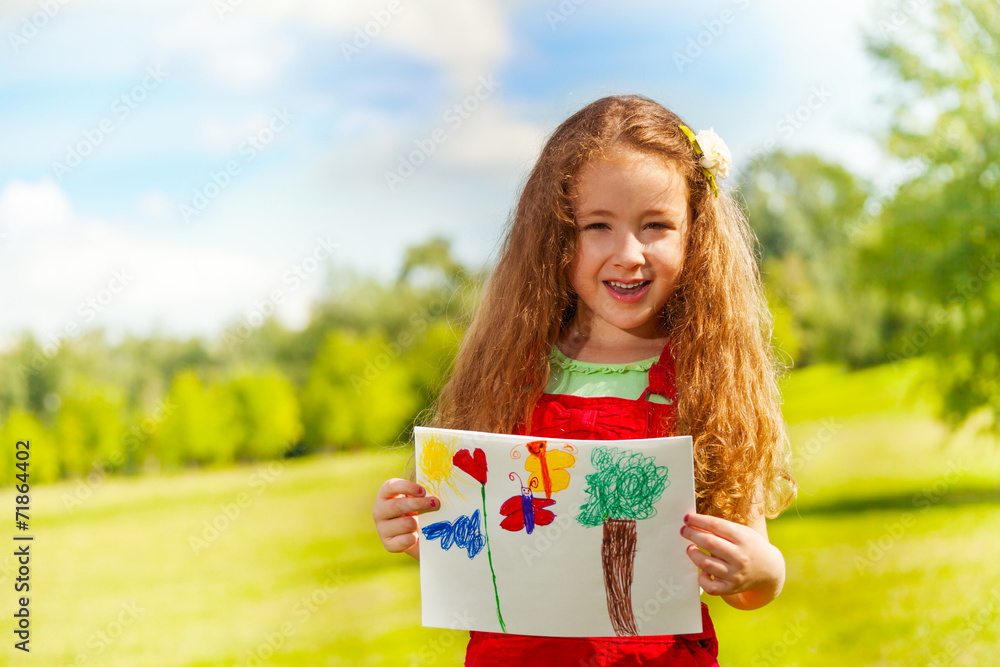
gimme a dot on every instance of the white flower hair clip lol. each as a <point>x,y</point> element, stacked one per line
<point>712,153</point>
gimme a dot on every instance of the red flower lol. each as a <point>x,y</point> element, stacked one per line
<point>474,464</point>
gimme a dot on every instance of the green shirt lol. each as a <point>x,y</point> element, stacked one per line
<point>585,378</point>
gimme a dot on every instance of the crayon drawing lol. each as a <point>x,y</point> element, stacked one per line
<point>462,532</point>
<point>524,511</point>
<point>533,519</point>
<point>474,464</point>
<point>436,467</point>
<point>547,467</point>
<point>623,489</point>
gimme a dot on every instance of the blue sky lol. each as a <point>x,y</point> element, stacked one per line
<point>172,166</point>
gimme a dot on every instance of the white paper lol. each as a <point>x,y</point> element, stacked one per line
<point>551,582</point>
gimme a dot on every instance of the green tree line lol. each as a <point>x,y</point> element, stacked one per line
<point>371,358</point>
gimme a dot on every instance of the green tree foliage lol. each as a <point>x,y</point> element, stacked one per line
<point>268,346</point>
<point>32,373</point>
<point>431,359</point>
<point>202,427</point>
<point>432,257</point>
<point>359,393</point>
<point>804,210</point>
<point>89,430</point>
<point>43,457</point>
<point>624,485</point>
<point>267,414</point>
<point>936,246</point>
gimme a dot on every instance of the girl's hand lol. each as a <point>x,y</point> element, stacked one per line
<point>397,505</point>
<point>741,564</point>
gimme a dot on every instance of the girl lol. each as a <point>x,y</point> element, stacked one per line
<point>626,303</point>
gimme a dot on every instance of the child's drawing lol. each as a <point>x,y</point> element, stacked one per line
<point>624,488</point>
<point>463,532</point>
<point>435,463</point>
<point>474,464</point>
<point>559,578</point>
<point>524,512</point>
<point>547,467</point>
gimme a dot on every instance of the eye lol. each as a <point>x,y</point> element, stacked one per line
<point>595,225</point>
<point>660,225</point>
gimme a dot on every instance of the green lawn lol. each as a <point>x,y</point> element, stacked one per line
<point>891,554</point>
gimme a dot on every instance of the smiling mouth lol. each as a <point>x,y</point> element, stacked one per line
<point>626,289</point>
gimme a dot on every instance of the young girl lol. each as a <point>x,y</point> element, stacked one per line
<point>626,303</point>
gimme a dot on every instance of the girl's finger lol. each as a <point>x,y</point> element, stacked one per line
<point>708,564</point>
<point>403,506</point>
<point>727,530</point>
<point>390,528</point>
<point>722,549</point>
<point>400,543</point>
<point>399,487</point>
<point>712,585</point>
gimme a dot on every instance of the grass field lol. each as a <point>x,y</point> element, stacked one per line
<point>891,551</point>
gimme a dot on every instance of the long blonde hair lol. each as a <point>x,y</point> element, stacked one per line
<point>717,316</point>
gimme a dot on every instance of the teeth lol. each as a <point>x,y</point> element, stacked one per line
<point>627,285</point>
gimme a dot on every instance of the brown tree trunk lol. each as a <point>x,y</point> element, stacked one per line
<point>618,557</point>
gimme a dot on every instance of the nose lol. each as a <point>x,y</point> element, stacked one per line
<point>629,251</point>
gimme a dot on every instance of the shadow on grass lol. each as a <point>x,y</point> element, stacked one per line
<point>926,498</point>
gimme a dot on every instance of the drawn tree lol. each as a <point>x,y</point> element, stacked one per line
<point>623,490</point>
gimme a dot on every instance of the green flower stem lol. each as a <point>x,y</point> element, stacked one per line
<point>489,555</point>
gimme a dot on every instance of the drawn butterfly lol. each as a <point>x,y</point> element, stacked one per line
<point>525,511</point>
<point>547,468</point>
<point>464,532</point>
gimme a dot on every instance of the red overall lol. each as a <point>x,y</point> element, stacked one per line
<point>605,418</point>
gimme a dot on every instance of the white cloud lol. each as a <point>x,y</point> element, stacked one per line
<point>93,274</point>
<point>155,206</point>
<point>493,138</point>
<point>466,39</point>
<point>250,67</point>
<point>223,134</point>
<point>41,206</point>
<point>469,39</point>
<point>242,52</point>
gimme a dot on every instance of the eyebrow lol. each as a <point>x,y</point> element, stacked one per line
<point>608,214</point>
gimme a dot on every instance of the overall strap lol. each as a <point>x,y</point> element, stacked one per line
<point>661,376</point>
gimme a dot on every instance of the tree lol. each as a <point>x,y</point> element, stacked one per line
<point>33,372</point>
<point>430,360</point>
<point>202,426</point>
<point>433,256</point>
<point>935,246</point>
<point>267,414</point>
<point>43,459</point>
<point>90,429</point>
<point>359,393</point>
<point>623,489</point>
<point>804,211</point>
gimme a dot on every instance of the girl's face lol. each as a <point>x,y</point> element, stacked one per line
<point>632,219</point>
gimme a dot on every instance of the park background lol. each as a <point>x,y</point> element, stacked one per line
<point>241,241</point>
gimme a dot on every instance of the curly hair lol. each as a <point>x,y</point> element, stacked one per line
<point>716,317</point>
